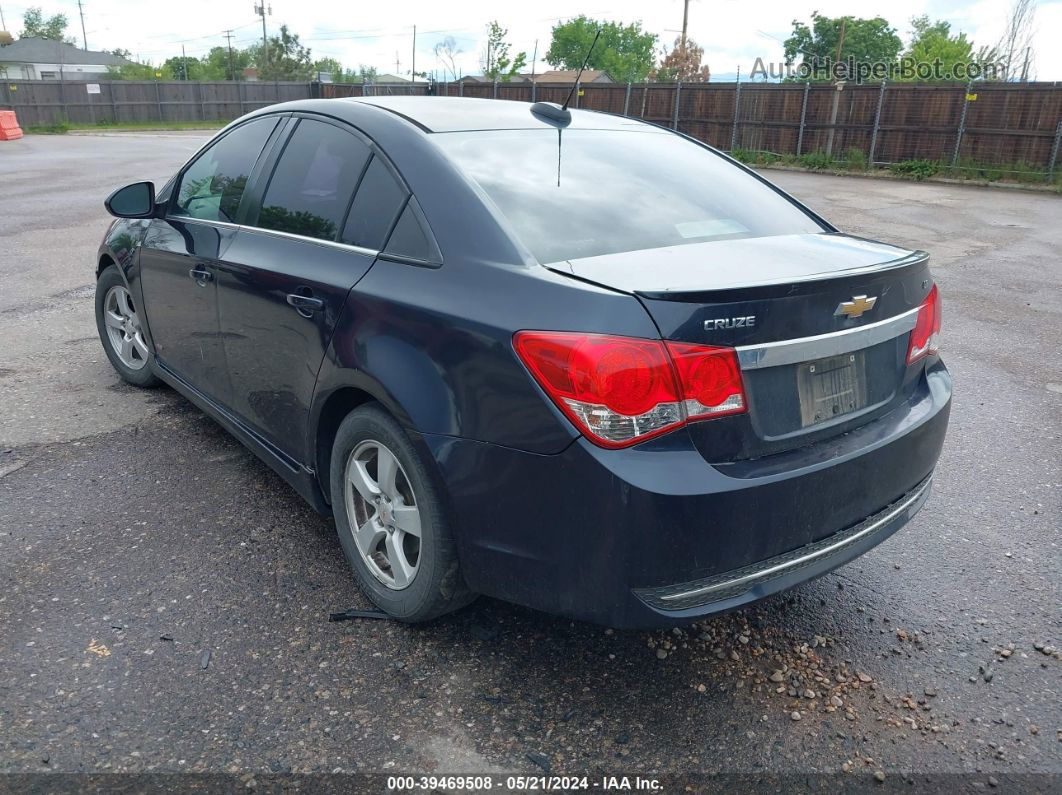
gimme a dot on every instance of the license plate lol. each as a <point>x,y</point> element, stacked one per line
<point>831,387</point>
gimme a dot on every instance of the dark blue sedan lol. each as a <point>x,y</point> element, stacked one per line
<point>571,360</point>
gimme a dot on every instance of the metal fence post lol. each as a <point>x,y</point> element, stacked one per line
<point>803,115</point>
<point>495,88</point>
<point>239,93</point>
<point>877,120</point>
<point>158,98</point>
<point>675,114</point>
<point>627,99</point>
<point>114,102</point>
<point>1054,152</point>
<point>962,125</point>
<point>737,110</point>
<point>534,92</point>
<point>461,89</point>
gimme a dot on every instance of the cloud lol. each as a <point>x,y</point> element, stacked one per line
<point>732,32</point>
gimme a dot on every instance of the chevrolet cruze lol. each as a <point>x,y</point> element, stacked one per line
<point>563,358</point>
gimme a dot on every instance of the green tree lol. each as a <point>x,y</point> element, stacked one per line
<point>182,68</point>
<point>865,41</point>
<point>217,64</point>
<point>626,52</point>
<point>132,71</point>
<point>34,25</point>
<point>930,41</point>
<point>284,58</point>
<point>496,61</point>
<point>364,74</point>
<point>332,66</point>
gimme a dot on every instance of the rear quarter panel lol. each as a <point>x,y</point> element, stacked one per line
<point>435,347</point>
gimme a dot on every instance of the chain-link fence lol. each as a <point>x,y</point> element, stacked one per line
<point>988,131</point>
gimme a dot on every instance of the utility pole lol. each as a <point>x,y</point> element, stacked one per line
<point>261,11</point>
<point>3,25</point>
<point>398,64</point>
<point>840,41</point>
<point>184,63</point>
<point>685,22</point>
<point>84,38</point>
<point>232,68</point>
<point>413,71</point>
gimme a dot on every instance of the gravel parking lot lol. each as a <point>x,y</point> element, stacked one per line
<point>165,597</point>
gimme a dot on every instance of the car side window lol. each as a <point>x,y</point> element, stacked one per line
<point>376,206</point>
<point>314,180</point>
<point>410,239</point>
<point>212,186</point>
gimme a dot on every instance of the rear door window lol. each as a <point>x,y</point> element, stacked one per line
<point>376,206</point>
<point>313,182</point>
<point>212,187</point>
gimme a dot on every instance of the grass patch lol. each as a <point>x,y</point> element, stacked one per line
<point>59,127</point>
<point>55,128</point>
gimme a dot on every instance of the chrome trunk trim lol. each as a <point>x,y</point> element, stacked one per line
<point>802,349</point>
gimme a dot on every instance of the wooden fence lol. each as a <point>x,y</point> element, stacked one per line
<point>1016,127</point>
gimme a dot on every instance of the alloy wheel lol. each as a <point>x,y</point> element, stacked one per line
<point>384,517</point>
<point>124,331</point>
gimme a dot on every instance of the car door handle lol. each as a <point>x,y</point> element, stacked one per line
<point>200,275</point>
<point>305,305</point>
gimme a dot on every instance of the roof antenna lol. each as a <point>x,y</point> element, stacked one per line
<point>586,60</point>
<point>560,113</point>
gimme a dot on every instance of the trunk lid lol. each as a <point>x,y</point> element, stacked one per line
<point>809,372</point>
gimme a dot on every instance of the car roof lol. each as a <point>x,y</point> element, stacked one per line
<point>457,114</point>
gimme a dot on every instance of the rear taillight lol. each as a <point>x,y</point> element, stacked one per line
<point>925,338</point>
<point>623,390</point>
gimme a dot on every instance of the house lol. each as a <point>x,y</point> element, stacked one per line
<point>46,59</point>
<point>569,75</point>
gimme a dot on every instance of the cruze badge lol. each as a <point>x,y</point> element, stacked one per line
<point>856,307</point>
<point>730,322</point>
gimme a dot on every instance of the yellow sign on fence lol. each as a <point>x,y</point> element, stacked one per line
<point>971,97</point>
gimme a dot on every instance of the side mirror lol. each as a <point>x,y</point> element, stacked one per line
<point>132,201</point>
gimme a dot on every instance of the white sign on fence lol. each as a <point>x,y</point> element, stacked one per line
<point>92,88</point>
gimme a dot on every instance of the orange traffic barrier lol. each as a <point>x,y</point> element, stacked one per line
<point>9,129</point>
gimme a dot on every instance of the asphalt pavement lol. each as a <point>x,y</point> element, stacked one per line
<point>164,596</point>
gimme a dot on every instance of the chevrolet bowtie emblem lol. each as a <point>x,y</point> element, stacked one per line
<point>856,307</point>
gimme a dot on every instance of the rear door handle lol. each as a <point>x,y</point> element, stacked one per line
<point>305,305</point>
<point>200,275</point>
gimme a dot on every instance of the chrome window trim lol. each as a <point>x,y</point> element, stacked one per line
<point>225,224</point>
<point>184,219</point>
<point>920,494</point>
<point>802,349</point>
<point>369,252</point>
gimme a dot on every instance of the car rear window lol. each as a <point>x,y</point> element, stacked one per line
<point>581,193</point>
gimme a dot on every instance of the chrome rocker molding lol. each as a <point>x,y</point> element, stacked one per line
<point>802,349</point>
<point>731,584</point>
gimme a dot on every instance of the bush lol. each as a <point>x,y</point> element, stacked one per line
<point>916,169</point>
<point>817,161</point>
<point>856,159</point>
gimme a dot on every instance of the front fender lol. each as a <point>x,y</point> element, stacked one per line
<point>121,247</point>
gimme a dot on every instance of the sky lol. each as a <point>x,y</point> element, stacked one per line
<point>732,33</point>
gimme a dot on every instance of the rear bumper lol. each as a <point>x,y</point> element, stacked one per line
<point>655,536</point>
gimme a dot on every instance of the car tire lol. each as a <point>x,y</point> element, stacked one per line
<point>411,578</point>
<point>118,322</point>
